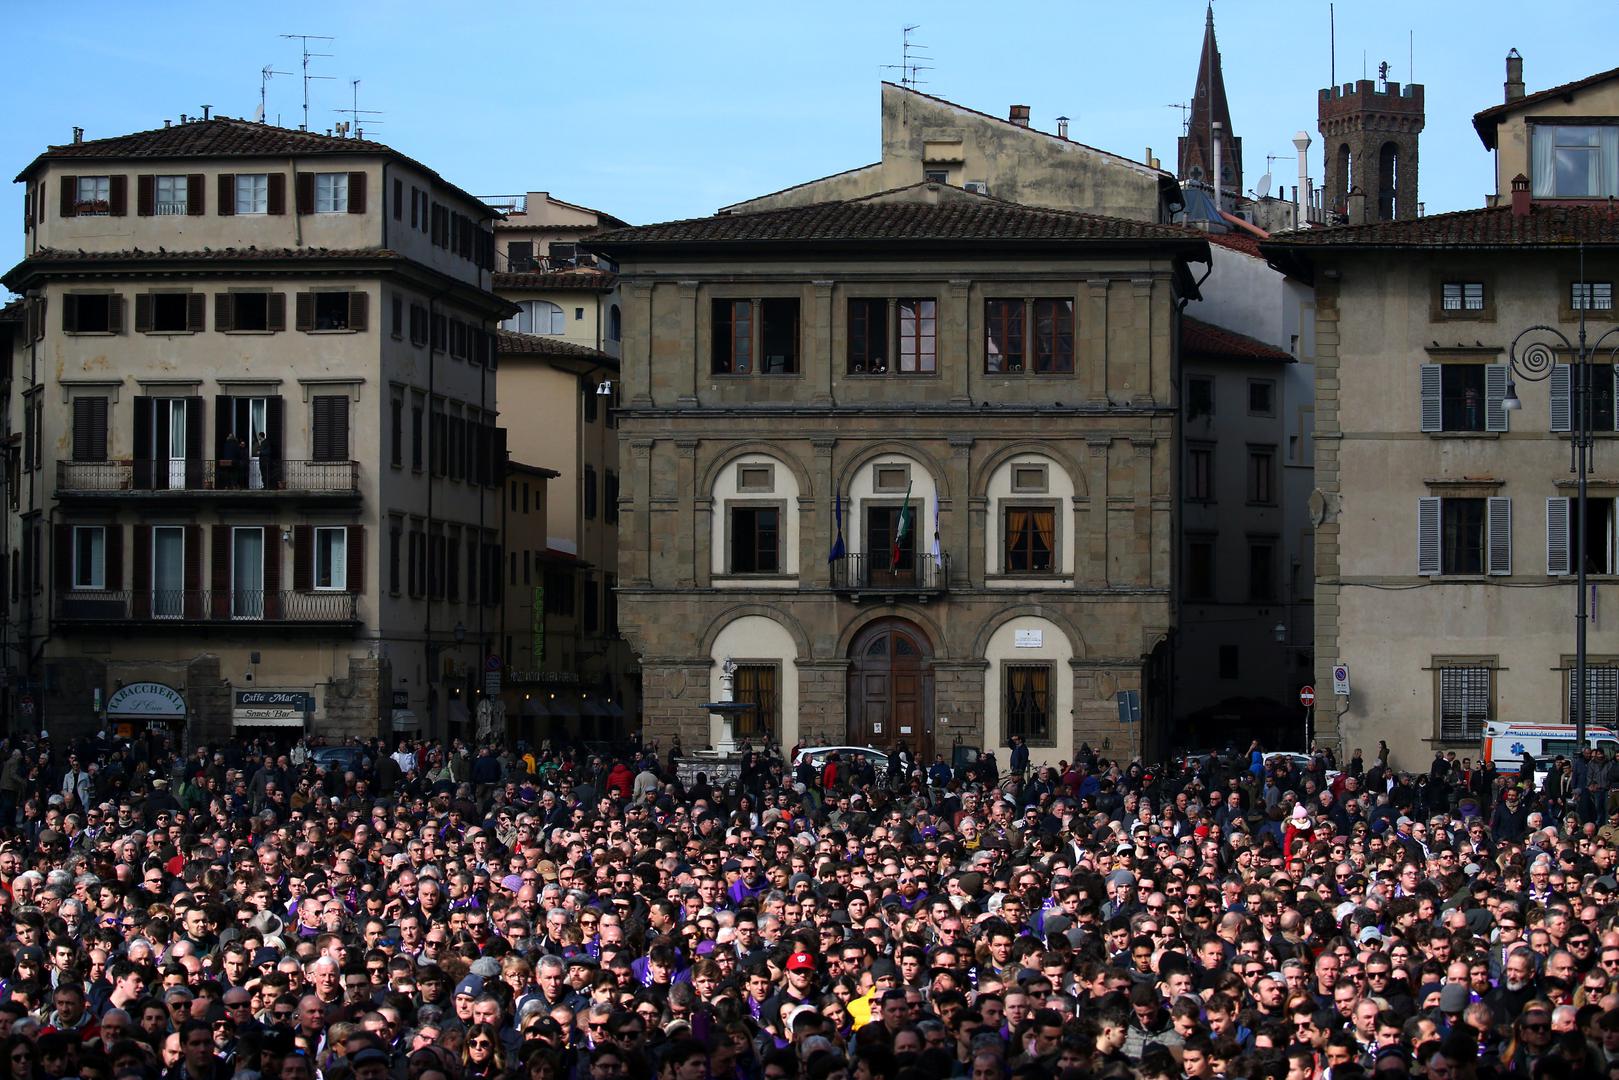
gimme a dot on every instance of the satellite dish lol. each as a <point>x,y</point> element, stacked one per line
<point>1264,186</point>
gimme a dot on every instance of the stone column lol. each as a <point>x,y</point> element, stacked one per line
<point>685,548</point>
<point>1141,543</point>
<point>1141,342</point>
<point>963,518</point>
<point>956,326</point>
<point>815,533</point>
<point>1093,343</point>
<point>702,533</point>
<point>635,531</point>
<point>686,369</point>
<point>637,345</point>
<point>1091,566</point>
<point>820,365</point>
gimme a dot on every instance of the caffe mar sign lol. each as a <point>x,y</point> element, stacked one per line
<point>152,700</point>
<point>279,707</point>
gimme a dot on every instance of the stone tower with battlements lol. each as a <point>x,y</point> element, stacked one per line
<point>1369,131</point>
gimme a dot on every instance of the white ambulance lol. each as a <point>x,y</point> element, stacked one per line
<point>1506,742</point>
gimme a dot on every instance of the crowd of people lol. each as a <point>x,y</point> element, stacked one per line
<point>425,911</point>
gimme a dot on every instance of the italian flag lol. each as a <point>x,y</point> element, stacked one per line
<point>902,531</point>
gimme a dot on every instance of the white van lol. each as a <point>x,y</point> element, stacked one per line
<point>1505,742</point>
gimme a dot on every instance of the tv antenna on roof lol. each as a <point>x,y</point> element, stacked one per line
<point>1186,115</point>
<point>354,112</point>
<point>265,75</point>
<point>305,39</point>
<point>908,67</point>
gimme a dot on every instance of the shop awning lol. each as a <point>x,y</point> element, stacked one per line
<point>564,705</point>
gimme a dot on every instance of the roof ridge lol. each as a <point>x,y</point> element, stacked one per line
<point>1480,118</point>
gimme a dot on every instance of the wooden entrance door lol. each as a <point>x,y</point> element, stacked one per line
<point>891,689</point>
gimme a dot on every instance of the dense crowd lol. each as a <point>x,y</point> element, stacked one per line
<point>437,912</point>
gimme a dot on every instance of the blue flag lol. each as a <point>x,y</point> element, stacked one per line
<point>838,550</point>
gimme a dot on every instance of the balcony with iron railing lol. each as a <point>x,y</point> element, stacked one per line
<point>212,609</point>
<point>219,479</point>
<point>873,575</point>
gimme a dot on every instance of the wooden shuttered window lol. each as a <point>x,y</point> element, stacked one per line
<point>276,200</point>
<point>219,572</point>
<point>196,194</point>
<point>117,195</point>
<point>304,317</point>
<point>62,557</point>
<point>306,193</point>
<point>1559,546</point>
<point>1498,537</point>
<point>89,429</point>
<point>1428,513</point>
<point>356,192</point>
<point>303,558</point>
<point>359,310</point>
<point>196,312</point>
<point>330,428</point>
<point>145,195</point>
<point>70,196</point>
<point>354,549</point>
<point>140,599</point>
<point>227,194</point>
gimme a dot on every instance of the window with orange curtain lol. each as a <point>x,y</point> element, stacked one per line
<point>1027,711</point>
<point>1031,540</point>
<point>757,683</point>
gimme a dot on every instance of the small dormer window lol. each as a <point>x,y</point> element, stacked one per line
<point>1575,161</point>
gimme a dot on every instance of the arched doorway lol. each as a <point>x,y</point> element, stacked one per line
<point>891,688</point>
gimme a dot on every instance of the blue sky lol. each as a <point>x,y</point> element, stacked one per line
<point>657,110</point>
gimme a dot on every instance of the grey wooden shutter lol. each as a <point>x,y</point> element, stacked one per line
<point>1428,536</point>
<point>277,314</point>
<point>90,429</point>
<point>358,308</point>
<point>117,195</point>
<point>196,311</point>
<point>1557,536</point>
<point>1498,534</point>
<point>227,194</point>
<point>1562,398</point>
<point>304,311</point>
<point>1433,410</point>
<point>331,428</point>
<point>1495,393</point>
<point>356,192</point>
<point>143,313</point>
<point>224,311</point>
<point>115,314</point>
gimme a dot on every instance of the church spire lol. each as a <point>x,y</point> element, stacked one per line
<point>1196,155</point>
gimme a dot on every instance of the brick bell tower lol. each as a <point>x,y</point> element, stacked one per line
<point>1369,135</point>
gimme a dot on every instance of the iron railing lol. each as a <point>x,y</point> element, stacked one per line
<point>213,607</point>
<point>877,572</point>
<point>321,477</point>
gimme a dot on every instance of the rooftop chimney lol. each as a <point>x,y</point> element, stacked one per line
<point>206,109</point>
<point>1062,127</point>
<point>1514,83</point>
<point>78,134</point>
<point>1520,196</point>
<point>1020,115</point>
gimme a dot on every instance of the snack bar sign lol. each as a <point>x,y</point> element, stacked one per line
<point>273,706</point>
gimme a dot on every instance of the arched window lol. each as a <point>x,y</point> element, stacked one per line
<point>615,324</point>
<point>537,317</point>
<point>1388,181</point>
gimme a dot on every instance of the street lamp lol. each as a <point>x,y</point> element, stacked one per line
<point>1533,356</point>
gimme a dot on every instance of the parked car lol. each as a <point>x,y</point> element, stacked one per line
<point>342,758</point>
<point>819,754</point>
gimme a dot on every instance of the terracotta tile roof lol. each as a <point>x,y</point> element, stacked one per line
<point>588,280</point>
<point>1199,338</point>
<point>956,216</point>
<point>1246,243</point>
<point>511,343</point>
<point>228,137</point>
<point>1486,121</point>
<point>1547,225</point>
<point>12,312</point>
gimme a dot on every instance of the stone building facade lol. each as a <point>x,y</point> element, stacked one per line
<point>908,461</point>
<point>324,302</point>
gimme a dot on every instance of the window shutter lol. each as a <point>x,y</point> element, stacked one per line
<point>355,547</point>
<point>1433,414</point>
<point>196,312</point>
<point>115,314</point>
<point>118,195</point>
<point>196,200</point>
<point>358,308</point>
<point>1499,535</point>
<point>306,193</point>
<point>224,311</point>
<point>194,451</point>
<point>272,425</point>
<point>193,570</point>
<point>143,442</point>
<point>275,199</point>
<point>1557,538</point>
<point>1428,536</point>
<point>1495,392</point>
<point>27,207</point>
<point>62,557</point>
<point>145,194</point>
<point>90,429</point>
<point>141,576</point>
<point>305,314</point>
<point>356,192</point>
<point>272,572</point>
<point>330,440</point>
<point>399,199</point>
<point>143,312</point>
<point>113,558</point>
<point>276,314</point>
<point>1562,398</point>
<point>227,194</point>
<point>219,572</point>
<point>70,195</point>
<point>70,313</point>
<point>303,558</point>
<point>224,418</point>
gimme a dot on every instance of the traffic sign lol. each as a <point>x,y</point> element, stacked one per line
<point>1307,696</point>
<point>491,662</point>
